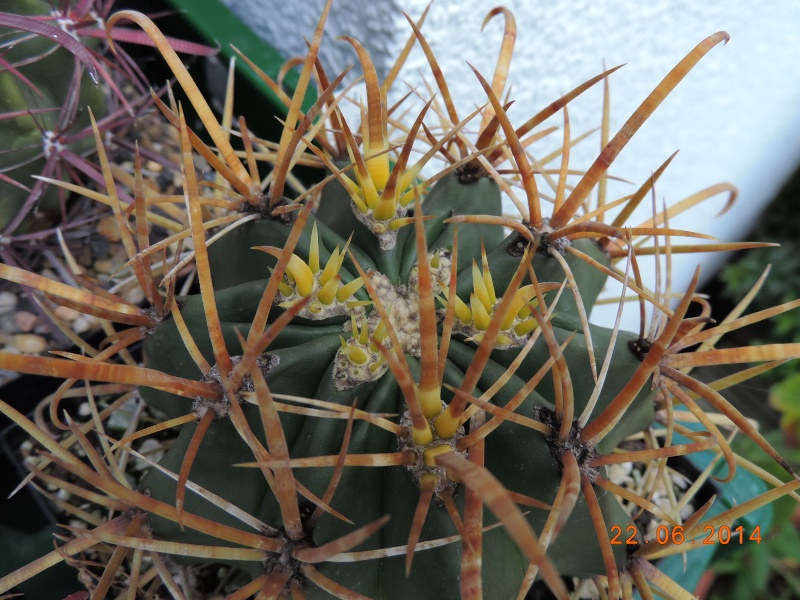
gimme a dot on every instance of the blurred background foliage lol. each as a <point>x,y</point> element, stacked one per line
<point>770,569</point>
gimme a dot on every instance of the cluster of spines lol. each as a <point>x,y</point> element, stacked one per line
<point>359,359</point>
<point>327,295</point>
<point>473,319</point>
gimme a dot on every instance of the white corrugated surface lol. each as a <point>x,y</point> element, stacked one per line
<point>735,118</point>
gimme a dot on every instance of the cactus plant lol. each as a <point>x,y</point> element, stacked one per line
<point>39,107</point>
<point>371,359</point>
<point>51,65</point>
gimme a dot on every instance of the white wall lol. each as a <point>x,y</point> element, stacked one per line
<point>735,118</point>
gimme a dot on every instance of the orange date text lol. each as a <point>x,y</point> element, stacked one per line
<point>675,535</point>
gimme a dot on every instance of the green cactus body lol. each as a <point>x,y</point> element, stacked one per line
<point>23,147</point>
<point>307,353</point>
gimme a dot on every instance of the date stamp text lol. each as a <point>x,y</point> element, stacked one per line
<point>675,535</point>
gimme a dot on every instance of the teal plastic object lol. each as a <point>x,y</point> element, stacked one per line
<point>744,486</point>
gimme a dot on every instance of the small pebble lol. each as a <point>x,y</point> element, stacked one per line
<point>103,266</point>
<point>66,314</point>
<point>81,325</point>
<point>8,302</point>
<point>43,328</point>
<point>25,320</point>
<point>134,295</point>
<point>85,256</point>
<point>119,255</point>
<point>107,227</point>
<point>99,247</point>
<point>8,324</point>
<point>29,343</point>
<point>154,166</point>
<point>121,418</point>
<point>152,449</point>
